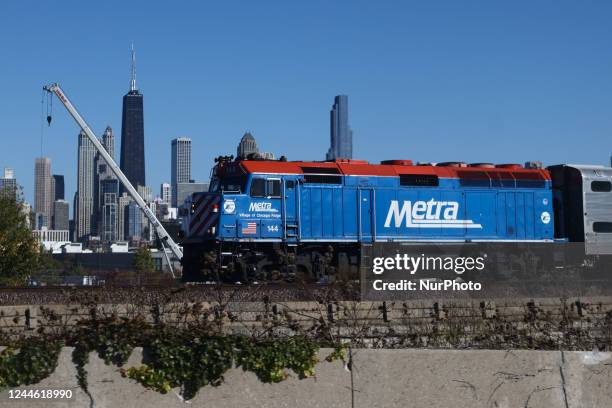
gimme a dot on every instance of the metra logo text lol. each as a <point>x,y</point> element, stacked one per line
<point>427,214</point>
<point>261,206</point>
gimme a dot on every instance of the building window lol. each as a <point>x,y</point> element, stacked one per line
<point>601,186</point>
<point>602,227</point>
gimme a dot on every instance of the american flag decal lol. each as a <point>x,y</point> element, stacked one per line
<point>251,228</point>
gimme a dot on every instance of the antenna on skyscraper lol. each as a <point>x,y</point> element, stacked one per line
<point>133,81</point>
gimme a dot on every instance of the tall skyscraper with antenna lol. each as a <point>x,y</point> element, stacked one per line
<point>132,161</point>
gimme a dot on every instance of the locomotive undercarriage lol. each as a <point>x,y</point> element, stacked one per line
<point>232,262</point>
<point>245,262</point>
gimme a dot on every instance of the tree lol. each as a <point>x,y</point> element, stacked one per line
<point>143,262</point>
<point>19,250</point>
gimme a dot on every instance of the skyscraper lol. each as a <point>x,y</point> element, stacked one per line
<point>146,233</point>
<point>134,222</point>
<point>109,224</point>
<point>105,179</point>
<point>42,190</point>
<point>8,184</point>
<point>123,216</point>
<point>61,215</point>
<point>108,141</point>
<point>186,189</point>
<point>247,146</point>
<point>341,135</point>
<point>132,161</point>
<point>59,186</point>
<point>165,194</point>
<point>84,211</point>
<point>181,165</point>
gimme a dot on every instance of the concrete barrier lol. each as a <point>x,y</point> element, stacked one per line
<point>378,378</point>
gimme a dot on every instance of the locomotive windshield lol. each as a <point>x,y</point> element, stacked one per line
<point>232,184</point>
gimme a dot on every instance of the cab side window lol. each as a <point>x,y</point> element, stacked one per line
<point>274,188</point>
<point>265,188</point>
<point>258,187</point>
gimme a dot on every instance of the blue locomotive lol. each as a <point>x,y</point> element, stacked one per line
<point>266,219</point>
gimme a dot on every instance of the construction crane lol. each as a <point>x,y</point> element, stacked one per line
<point>163,235</point>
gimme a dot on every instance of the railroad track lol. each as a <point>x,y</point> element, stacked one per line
<point>178,293</point>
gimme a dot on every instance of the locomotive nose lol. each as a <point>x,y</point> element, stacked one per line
<point>204,214</point>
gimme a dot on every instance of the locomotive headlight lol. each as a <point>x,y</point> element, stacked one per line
<point>215,208</point>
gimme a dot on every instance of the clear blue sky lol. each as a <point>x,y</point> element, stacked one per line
<point>429,80</point>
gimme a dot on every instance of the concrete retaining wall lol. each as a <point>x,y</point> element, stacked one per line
<point>372,314</point>
<point>379,378</point>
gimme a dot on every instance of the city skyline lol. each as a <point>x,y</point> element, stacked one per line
<point>444,83</point>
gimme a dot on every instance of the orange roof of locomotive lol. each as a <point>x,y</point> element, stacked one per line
<point>363,168</point>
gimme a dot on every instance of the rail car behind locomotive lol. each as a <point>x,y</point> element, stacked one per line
<point>264,217</point>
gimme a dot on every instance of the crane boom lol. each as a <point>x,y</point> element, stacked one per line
<point>159,228</point>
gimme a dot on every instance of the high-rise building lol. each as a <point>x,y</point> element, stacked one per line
<point>26,209</point>
<point>109,191</point>
<point>247,146</point>
<point>122,216</point>
<point>105,179</point>
<point>8,184</point>
<point>40,221</point>
<point>108,141</point>
<point>52,201</point>
<point>84,211</point>
<point>134,224</point>
<point>341,135</point>
<point>58,180</point>
<point>164,193</point>
<point>185,189</point>
<point>162,211</point>
<point>247,149</point>
<point>132,161</point>
<point>145,193</point>
<point>43,200</point>
<point>61,211</point>
<point>266,155</point>
<point>146,232</point>
<point>181,164</point>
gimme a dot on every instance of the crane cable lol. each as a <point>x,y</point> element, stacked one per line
<point>49,108</point>
<point>42,120</point>
<point>48,98</point>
